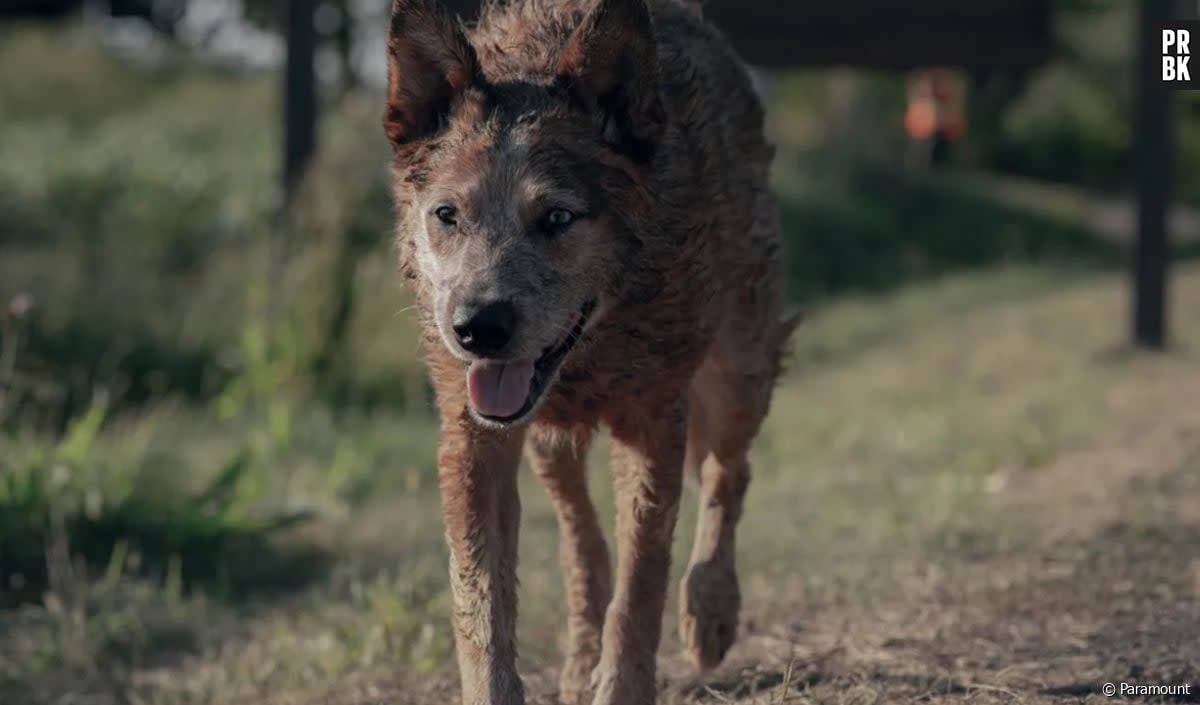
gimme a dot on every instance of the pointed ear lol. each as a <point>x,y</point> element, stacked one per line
<point>430,63</point>
<point>611,63</point>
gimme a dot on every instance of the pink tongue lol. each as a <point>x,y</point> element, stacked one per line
<point>499,388</point>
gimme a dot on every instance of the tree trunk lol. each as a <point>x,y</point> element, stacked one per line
<point>1153,144</point>
<point>300,94</point>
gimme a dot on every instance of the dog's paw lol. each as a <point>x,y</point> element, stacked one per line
<point>614,690</point>
<point>709,601</point>
<point>578,680</point>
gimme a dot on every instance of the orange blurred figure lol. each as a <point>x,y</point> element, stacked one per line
<point>935,116</point>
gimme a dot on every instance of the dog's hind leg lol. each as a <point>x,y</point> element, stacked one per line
<point>697,443</point>
<point>709,598</point>
<point>732,390</point>
<point>559,460</point>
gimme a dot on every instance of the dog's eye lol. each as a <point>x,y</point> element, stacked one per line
<point>446,214</point>
<point>557,218</point>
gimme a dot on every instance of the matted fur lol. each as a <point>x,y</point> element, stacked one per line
<point>637,118</point>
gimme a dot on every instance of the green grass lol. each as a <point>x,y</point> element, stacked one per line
<point>109,521</point>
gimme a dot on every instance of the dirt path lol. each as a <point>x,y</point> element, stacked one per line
<point>990,506</point>
<point>1110,594</point>
<point>1107,590</point>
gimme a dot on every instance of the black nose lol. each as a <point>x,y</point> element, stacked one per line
<point>484,329</point>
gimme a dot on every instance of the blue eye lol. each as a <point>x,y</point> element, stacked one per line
<point>446,215</point>
<point>557,218</point>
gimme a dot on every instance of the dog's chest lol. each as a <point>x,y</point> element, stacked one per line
<point>629,362</point>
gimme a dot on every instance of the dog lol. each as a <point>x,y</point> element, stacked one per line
<point>584,219</point>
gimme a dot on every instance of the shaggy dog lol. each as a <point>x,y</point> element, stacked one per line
<point>584,219</point>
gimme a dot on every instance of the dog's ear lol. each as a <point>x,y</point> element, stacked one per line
<point>430,64</point>
<point>611,63</point>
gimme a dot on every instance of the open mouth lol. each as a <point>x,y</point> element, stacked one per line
<point>503,392</point>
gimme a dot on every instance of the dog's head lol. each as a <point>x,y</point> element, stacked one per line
<point>518,192</point>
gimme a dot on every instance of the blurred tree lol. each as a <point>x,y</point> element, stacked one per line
<point>336,24</point>
<point>300,94</point>
<point>1154,148</point>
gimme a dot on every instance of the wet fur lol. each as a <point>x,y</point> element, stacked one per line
<point>653,126</point>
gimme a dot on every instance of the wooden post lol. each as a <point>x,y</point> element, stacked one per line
<point>299,94</point>
<point>1153,146</point>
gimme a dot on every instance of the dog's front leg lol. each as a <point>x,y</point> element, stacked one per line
<point>477,473</point>
<point>559,459</point>
<point>648,450</point>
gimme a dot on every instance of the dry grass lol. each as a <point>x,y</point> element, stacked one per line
<point>996,505</point>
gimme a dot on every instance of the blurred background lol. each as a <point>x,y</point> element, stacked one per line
<point>217,477</point>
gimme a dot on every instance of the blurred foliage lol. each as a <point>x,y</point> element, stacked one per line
<point>75,85</point>
<point>138,225</point>
<point>162,200</point>
<point>1070,120</point>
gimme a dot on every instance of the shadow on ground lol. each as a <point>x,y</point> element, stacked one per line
<point>1115,603</point>
<point>873,229</point>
